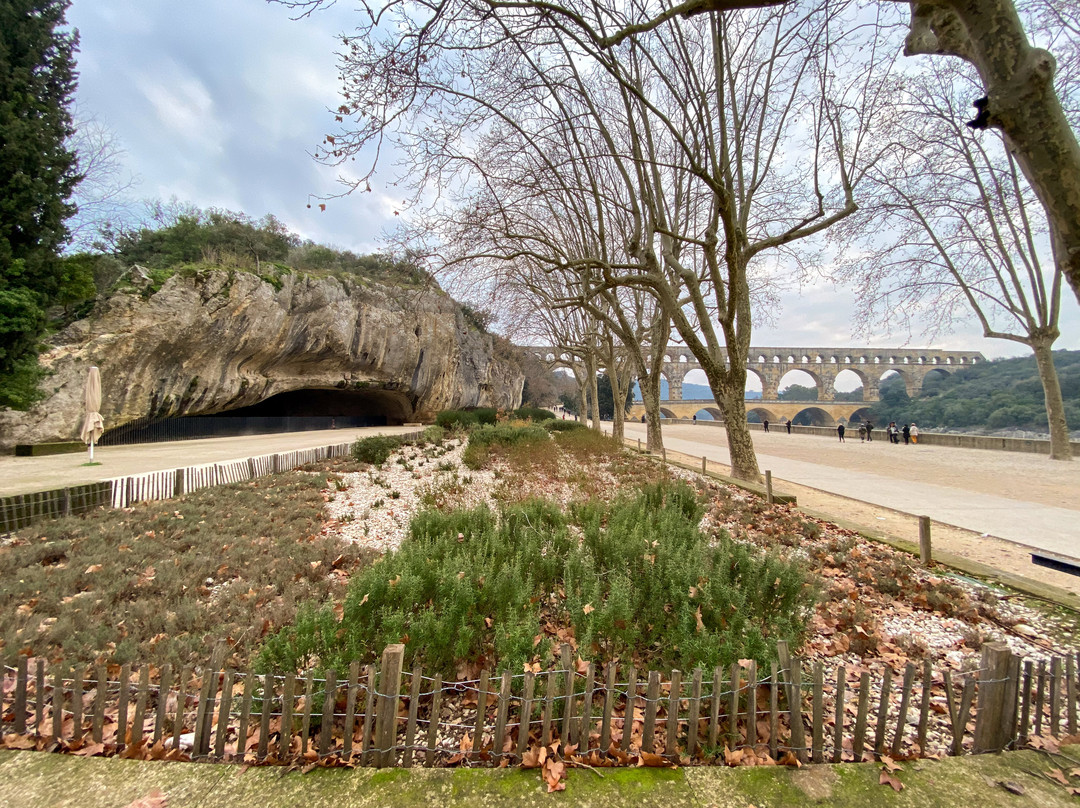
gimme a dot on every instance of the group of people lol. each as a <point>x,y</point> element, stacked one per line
<point>909,432</point>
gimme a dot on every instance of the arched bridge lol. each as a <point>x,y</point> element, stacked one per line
<point>823,365</point>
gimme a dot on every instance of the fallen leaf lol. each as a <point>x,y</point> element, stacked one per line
<point>588,608</point>
<point>155,799</point>
<point>890,764</point>
<point>889,779</point>
<point>1011,787</point>
<point>93,568</point>
<point>1058,776</point>
<point>650,759</point>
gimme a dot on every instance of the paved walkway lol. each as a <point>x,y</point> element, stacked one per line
<point>21,475</point>
<point>1026,499</point>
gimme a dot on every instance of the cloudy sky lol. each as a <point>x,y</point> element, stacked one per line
<point>221,103</point>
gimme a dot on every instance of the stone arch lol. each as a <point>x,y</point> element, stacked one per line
<point>791,359</point>
<point>761,359</point>
<point>813,416</point>
<point>755,415</point>
<point>934,371</point>
<point>859,414</point>
<point>713,413</point>
<point>666,413</point>
<point>815,378</point>
<point>776,359</point>
<point>904,376</point>
<point>753,374</point>
<point>845,380</point>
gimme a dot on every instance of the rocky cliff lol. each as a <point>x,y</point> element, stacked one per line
<point>217,341</point>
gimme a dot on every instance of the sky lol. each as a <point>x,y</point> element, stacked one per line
<point>221,103</point>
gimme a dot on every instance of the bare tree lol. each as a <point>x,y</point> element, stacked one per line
<point>102,197</point>
<point>955,228</point>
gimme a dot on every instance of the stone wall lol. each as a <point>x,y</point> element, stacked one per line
<point>217,341</point>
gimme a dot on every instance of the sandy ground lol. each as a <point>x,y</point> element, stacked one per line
<point>1012,475</point>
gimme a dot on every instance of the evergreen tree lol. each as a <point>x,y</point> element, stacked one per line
<point>37,178</point>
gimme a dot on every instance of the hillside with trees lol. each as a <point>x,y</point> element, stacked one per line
<point>999,395</point>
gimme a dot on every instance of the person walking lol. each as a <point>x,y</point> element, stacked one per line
<point>840,431</point>
<point>906,432</point>
<point>789,426</point>
<point>862,432</point>
<point>869,432</point>
<point>914,433</point>
<point>765,424</point>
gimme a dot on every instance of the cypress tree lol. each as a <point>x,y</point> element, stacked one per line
<point>37,177</point>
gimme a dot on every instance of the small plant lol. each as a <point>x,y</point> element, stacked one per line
<point>395,495</point>
<point>376,449</point>
<point>377,504</point>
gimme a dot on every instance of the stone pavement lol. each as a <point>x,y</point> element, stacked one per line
<point>1002,514</point>
<point>21,475</point>
<point>43,780</point>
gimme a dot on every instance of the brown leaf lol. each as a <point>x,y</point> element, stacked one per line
<point>790,759</point>
<point>93,568</point>
<point>700,623</point>
<point>889,779</point>
<point>1058,776</point>
<point>1011,787</point>
<point>588,608</point>
<point>656,761</point>
<point>890,764</point>
<point>155,799</point>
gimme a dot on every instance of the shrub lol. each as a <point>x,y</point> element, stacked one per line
<point>483,438</point>
<point>455,419</point>
<point>433,434</point>
<point>642,584</point>
<point>376,449</point>
<point>563,426</point>
<point>533,414</point>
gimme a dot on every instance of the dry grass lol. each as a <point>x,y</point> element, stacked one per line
<point>167,581</point>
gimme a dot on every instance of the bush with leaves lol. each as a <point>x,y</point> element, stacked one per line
<point>481,440</point>
<point>533,414</point>
<point>563,426</point>
<point>643,584</point>
<point>376,449</point>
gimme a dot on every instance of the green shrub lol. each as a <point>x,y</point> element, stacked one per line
<point>643,583</point>
<point>433,434</point>
<point>563,426</point>
<point>376,449</point>
<point>482,438</point>
<point>533,414</point>
<point>464,419</point>
<point>455,419</point>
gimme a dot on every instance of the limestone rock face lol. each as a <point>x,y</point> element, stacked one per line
<point>222,340</point>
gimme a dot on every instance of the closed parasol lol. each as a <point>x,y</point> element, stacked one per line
<point>93,423</point>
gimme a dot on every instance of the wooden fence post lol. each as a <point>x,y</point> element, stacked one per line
<point>992,731</point>
<point>925,555</point>
<point>703,461</point>
<point>768,488</point>
<point>386,713</point>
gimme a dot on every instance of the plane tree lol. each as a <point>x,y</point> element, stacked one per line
<point>953,227</point>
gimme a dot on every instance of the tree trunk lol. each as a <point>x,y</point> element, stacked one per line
<point>730,392</point>
<point>620,383</point>
<point>1060,448</point>
<point>594,392</point>
<point>650,398</point>
<point>1020,101</point>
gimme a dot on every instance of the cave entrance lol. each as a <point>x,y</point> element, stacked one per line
<point>293,411</point>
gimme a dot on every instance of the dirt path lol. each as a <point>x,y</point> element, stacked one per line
<point>1030,478</point>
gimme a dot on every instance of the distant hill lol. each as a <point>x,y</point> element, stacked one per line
<point>995,395</point>
<point>1001,394</point>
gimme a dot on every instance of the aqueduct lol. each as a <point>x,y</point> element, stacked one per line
<point>823,365</point>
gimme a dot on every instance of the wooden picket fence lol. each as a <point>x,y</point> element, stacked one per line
<point>21,510</point>
<point>384,716</point>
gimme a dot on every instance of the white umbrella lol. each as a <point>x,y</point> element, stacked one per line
<point>93,423</point>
